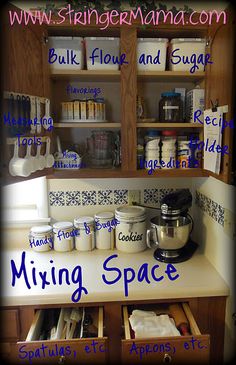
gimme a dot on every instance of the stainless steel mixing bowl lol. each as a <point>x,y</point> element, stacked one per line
<point>171,235</point>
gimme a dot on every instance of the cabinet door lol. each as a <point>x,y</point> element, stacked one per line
<point>25,71</point>
<point>219,83</point>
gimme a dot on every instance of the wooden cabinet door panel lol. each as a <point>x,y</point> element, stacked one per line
<point>219,82</point>
<point>25,71</point>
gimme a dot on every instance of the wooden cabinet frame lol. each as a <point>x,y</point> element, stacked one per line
<point>218,85</point>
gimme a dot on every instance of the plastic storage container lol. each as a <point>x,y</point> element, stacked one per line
<point>152,147</point>
<point>105,230</point>
<point>63,236</point>
<point>186,48</point>
<point>85,240</point>
<point>153,52</point>
<point>170,107</point>
<point>183,153</point>
<point>168,148</point>
<point>131,231</point>
<point>41,238</point>
<point>106,46</point>
<point>67,48</point>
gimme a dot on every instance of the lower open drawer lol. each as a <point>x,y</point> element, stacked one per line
<point>92,349</point>
<point>190,349</point>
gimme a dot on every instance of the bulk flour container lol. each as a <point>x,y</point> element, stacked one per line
<point>151,54</point>
<point>66,53</point>
<point>101,51</point>
<point>186,47</point>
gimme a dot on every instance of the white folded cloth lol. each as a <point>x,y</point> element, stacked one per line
<point>148,324</point>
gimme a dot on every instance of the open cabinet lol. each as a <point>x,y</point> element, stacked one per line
<point>30,74</point>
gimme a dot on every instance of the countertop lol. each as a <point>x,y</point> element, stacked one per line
<point>193,278</point>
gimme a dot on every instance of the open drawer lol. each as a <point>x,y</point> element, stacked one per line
<point>59,349</point>
<point>189,349</point>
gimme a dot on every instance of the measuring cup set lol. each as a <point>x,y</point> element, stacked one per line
<point>19,166</point>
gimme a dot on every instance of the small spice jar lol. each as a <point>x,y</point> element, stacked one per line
<point>85,239</point>
<point>41,238</point>
<point>170,107</point>
<point>105,224</point>
<point>63,236</point>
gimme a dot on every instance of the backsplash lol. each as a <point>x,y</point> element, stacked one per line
<point>105,197</point>
<point>210,207</point>
<point>73,197</point>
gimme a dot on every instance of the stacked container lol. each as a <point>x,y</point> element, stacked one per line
<point>168,148</point>
<point>152,146</point>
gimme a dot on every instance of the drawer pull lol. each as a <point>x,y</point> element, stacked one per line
<point>167,358</point>
<point>61,360</point>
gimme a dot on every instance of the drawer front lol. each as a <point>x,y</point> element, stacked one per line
<point>80,351</point>
<point>77,350</point>
<point>183,350</point>
<point>193,348</point>
<point>10,325</point>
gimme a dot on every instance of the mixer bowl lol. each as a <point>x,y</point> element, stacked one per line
<point>171,235</point>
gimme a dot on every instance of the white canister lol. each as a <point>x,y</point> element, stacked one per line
<point>131,232</point>
<point>85,240</point>
<point>105,224</point>
<point>41,238</point>
<point>63,236</point>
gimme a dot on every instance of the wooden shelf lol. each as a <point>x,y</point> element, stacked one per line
<point>170,76</point>
<point>118,173</point>
<point>169,125</point>
<point>87,125</point>
<point>98,75</point>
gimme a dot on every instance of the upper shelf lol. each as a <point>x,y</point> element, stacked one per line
<point>170,76</point>
<point>98,75</point>
<point>114,75</point>
<point>87,125</point>
<point>169,125</point>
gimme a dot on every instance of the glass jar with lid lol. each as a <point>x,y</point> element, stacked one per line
<point>170,107</point>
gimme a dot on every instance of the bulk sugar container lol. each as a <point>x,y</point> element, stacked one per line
<point>180,48</point>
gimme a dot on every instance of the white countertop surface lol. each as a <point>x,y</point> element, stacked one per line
<point>197,277</point>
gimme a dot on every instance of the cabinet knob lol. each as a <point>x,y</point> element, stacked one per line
<point>61,360</point>
<point>167,358</point>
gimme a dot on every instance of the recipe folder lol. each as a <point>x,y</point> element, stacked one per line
<point>213,133</point>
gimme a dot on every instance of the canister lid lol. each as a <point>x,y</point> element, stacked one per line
<point>62,225</point>
<point>131,212</point>
<point>104,215</point>
<point>41,229</point>
<point>81,220</point>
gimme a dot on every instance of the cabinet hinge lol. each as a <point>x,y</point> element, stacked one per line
<point>208,41</point>
<point>45,39</point>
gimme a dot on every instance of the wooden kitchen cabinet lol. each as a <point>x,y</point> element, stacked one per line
<point>31,74</point>
<point>205,315</point>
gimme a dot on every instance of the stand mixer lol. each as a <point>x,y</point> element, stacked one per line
<point>170,230</point>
